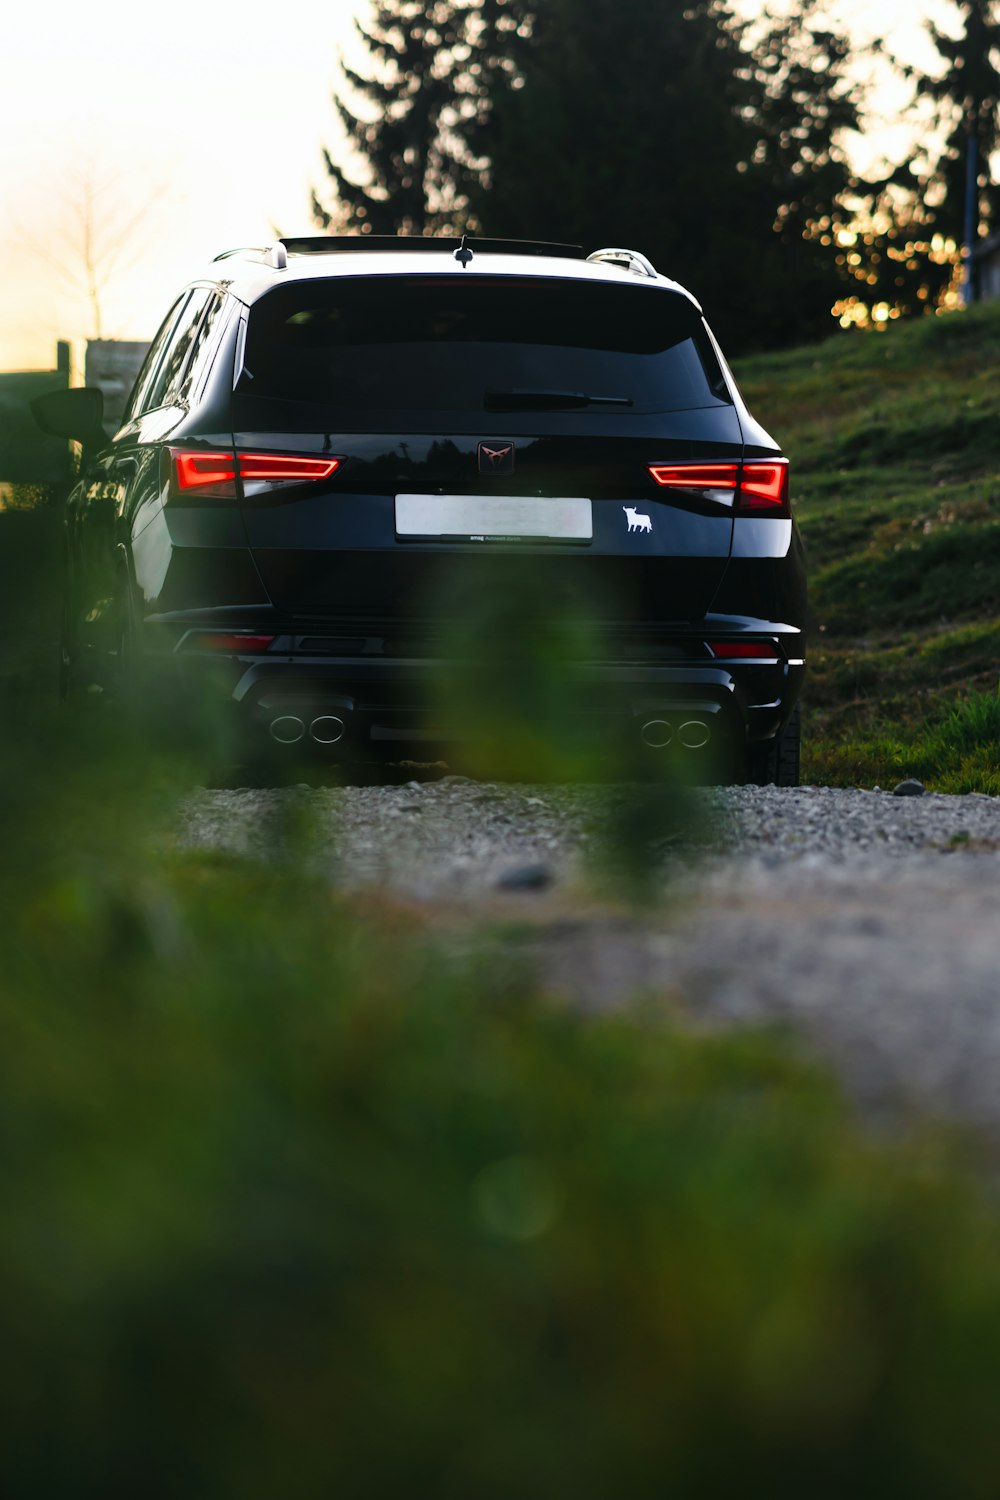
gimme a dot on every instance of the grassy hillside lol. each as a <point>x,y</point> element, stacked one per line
<point>894,439</point>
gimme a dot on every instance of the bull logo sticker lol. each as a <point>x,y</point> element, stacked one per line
<point>637,521</point>
<point>496,458</point>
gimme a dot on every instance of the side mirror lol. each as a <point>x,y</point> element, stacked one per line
<point>76,413</point>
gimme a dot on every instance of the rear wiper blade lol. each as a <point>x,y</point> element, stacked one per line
<point>518,400</point>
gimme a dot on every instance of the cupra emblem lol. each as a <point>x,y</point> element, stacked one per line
<point>496,458</point>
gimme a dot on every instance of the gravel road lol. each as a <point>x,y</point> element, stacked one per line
<point>867,922</point>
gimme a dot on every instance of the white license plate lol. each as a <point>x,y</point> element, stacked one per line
<point>494,518</point>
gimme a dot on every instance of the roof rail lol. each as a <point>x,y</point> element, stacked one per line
<point>629,260</point>
<point>269,255</point>
<point>325,244</point>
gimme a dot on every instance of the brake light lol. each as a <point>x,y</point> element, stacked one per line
<point>761,487</point>
<point>284,468</point>
<point>696,476</point>
<point>764,486</point>
<point>743,650</point>
<point>213,475</point>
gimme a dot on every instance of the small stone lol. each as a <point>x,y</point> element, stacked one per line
<point>526,878</point>
<point>909,788</point>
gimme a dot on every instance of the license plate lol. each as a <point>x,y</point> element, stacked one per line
<point>494,518</point>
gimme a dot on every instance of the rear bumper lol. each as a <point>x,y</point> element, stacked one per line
<point>382,701</point>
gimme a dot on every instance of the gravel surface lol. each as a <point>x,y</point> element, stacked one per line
<point>868,922</point>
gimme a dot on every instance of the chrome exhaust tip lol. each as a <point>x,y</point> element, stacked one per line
<point>657,733</point>
<point>287,729</point>
<point>694,734</point>
<point>327,729</point>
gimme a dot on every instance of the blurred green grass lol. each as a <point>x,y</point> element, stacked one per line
<point>894,439</point>
<point>299,1198</point>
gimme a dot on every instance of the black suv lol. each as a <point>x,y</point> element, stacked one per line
<point>333,440</point>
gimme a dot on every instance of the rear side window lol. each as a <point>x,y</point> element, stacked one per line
<point>140,391</point>
<point>199,354</point>
<point>168,377</point>
<point>461,343</point>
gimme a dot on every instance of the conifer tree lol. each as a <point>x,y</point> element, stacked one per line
<point>967,99</point>
<point>668,128</point>
<point>403,125</point>
<point>904,256</point>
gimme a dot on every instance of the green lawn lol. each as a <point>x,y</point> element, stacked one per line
<point>894,439</point>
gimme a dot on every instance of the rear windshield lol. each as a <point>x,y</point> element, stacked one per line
<point>468,343</point>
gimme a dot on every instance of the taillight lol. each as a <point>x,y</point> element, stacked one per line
<point>764,486</point>
<point>285,468</point>
<point>212,476</point>
<point>696,476</point>
<point>743,650</point>
<point>759,487</point>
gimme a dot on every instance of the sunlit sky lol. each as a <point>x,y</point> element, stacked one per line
<point>199,126</point>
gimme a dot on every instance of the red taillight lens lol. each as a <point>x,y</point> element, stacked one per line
<point>696,476</point>
<point>760,487</point>
<point>212,476</point>
<point>286,468</point>
<point>764,486</point>
<point>234,642</point>
<point>743,650</point>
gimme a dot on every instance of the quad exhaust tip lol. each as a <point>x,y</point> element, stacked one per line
<point>657,733</point>
<point>327,729</point>
<point>287,729</point>
<point>693,734</point>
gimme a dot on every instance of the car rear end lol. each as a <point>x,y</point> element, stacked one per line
<point>419,447</point>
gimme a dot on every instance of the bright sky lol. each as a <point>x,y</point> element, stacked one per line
<point>204,120</point>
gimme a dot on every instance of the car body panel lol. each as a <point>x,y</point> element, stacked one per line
<point>332,547</point>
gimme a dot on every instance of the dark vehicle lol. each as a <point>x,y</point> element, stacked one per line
<point>332,440</point>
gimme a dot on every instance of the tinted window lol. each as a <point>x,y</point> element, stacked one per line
<point>137,400</point>
<point>199,354</point>
<point>167,378</point>
<point>452,344</point>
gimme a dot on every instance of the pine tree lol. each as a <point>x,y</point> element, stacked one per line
<point>901,250</point>
<point>668,128</point>
<point>404,125</point>
<point>804,102</point>
<point>967,98</point>
<point>617,117</point>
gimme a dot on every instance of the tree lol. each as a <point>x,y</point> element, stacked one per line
<point>900,242</point>
<point>967,100</point>
<point>100,233</point>
<point>804,101</point>
<point>675,130</point>
<point>402,125</point>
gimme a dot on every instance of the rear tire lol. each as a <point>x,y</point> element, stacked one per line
<point>776,763</point>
